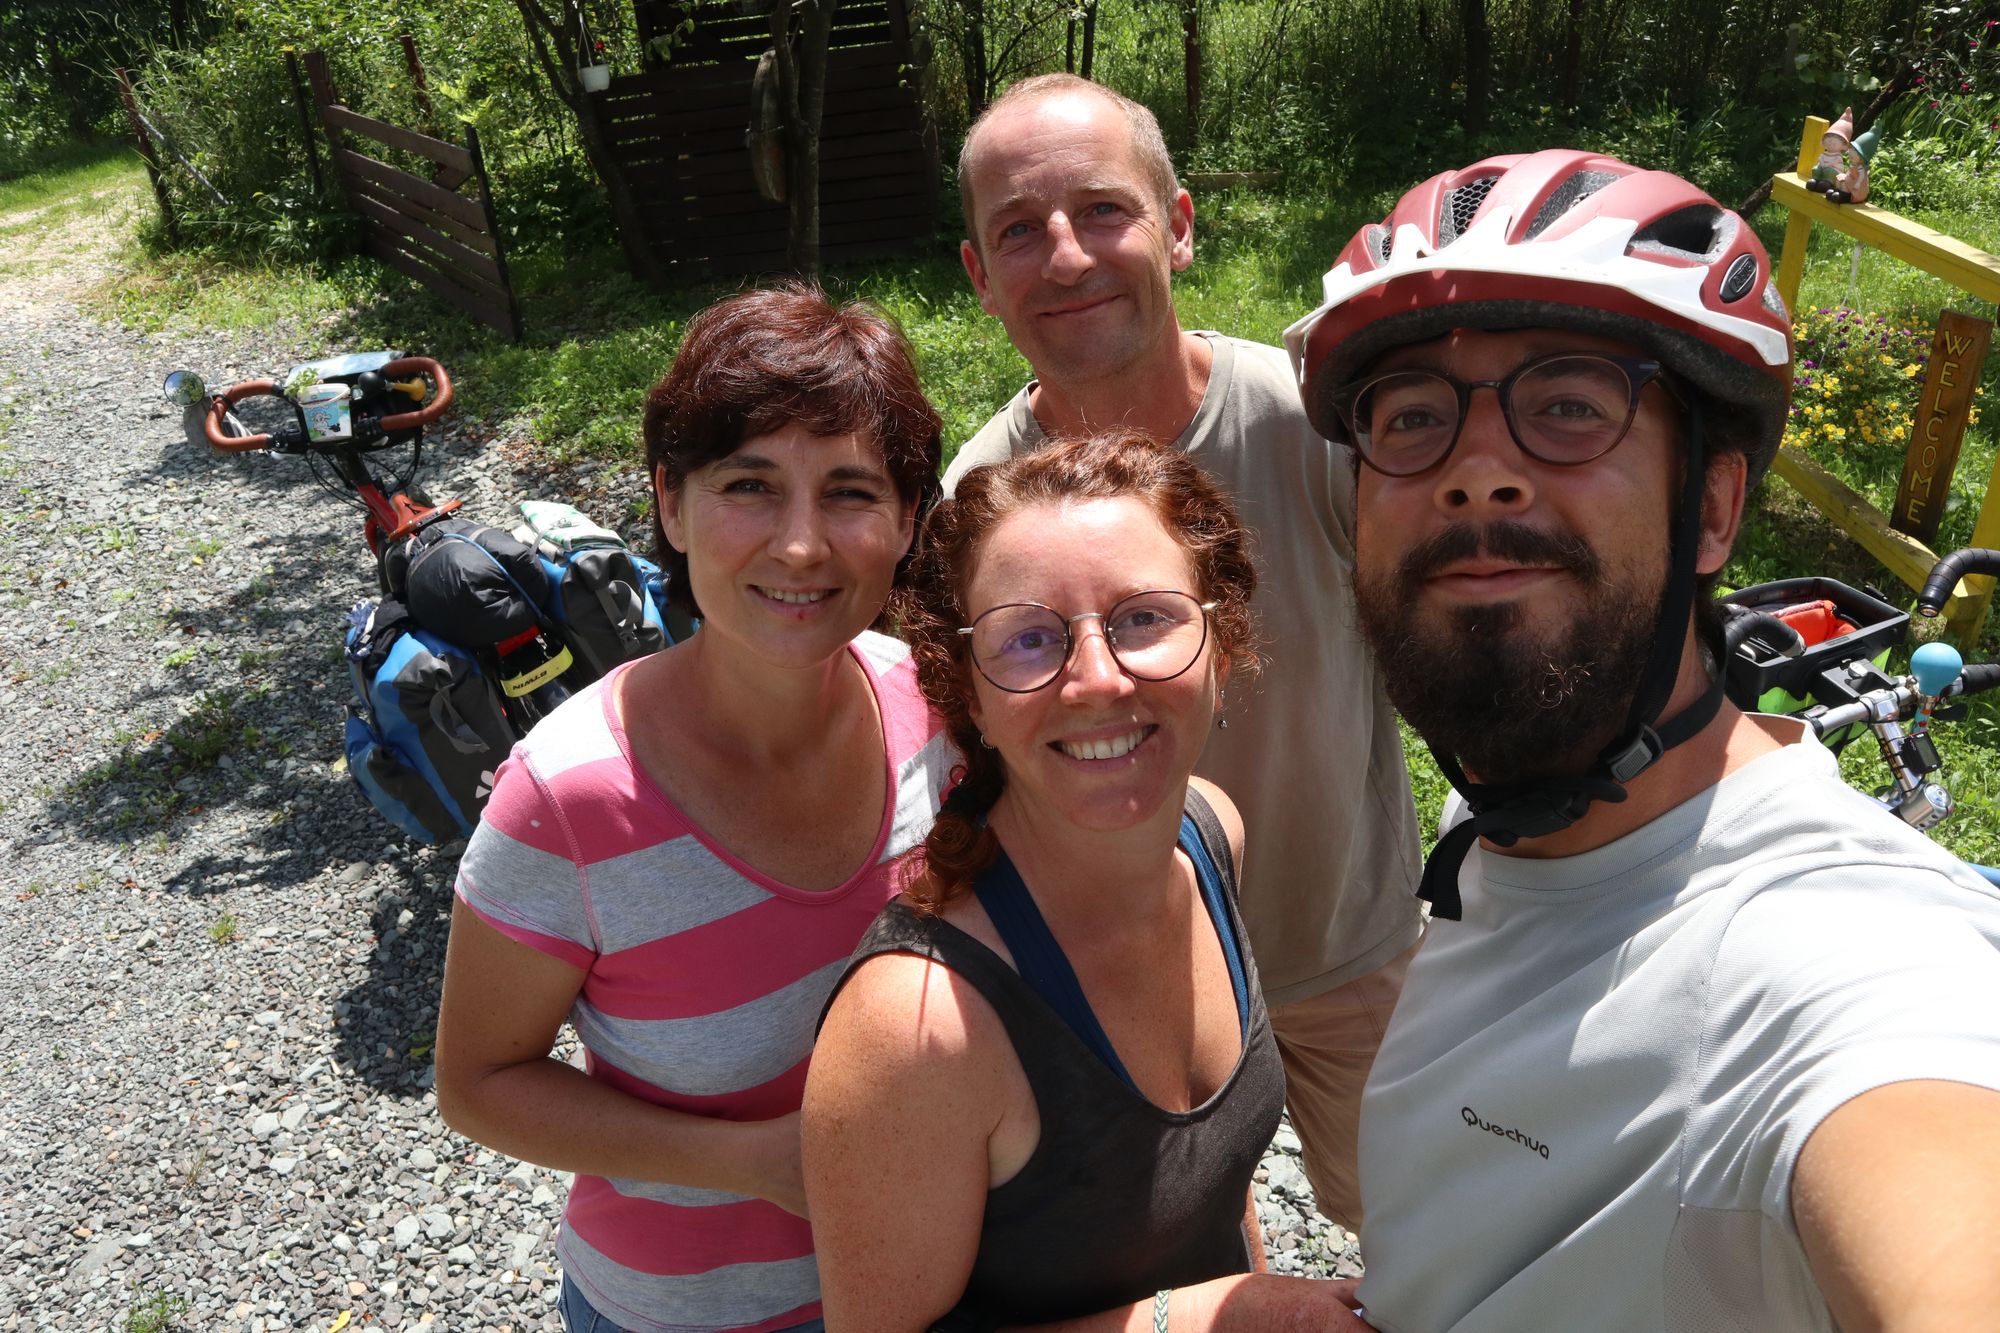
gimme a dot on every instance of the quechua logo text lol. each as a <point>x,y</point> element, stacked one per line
<point>1473,1121</point>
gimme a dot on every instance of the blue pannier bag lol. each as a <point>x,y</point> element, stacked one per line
<point>609,602</point>
<point>603,600</point>
<point>428,729</point>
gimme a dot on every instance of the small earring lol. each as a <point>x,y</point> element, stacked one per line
<point>1221,702</point>
<point>984,744</point>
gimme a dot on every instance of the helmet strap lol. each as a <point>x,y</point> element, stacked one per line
<point>1504,814</point>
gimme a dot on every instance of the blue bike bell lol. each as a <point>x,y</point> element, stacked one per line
<point>1936,666</point>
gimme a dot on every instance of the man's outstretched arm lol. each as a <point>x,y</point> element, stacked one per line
<point>1897,1199</point>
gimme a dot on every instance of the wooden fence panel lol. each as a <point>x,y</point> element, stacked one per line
<point>428,229</point>
<point>421,145</point>
<point>677,130</point>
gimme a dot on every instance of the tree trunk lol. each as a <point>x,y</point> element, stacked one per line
<point>972,54</point>
<point>802,91</point>
<point>1478,63</point>
<point>1089,37</point>
<point>1191,55</point>
<point>559,66</point>
<point>1572,59</point>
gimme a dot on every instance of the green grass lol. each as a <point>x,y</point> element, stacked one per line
<point>153,764</point>
<point>154,1312</point>
<point>64,175</point>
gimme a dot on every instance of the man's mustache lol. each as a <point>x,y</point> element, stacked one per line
<point>1502,540</point>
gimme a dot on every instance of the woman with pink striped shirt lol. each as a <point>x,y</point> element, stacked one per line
<point>680,858</point>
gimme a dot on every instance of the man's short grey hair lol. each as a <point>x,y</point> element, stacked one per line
<point>1149,146</point>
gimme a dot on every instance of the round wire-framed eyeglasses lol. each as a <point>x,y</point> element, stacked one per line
<point>1020,647</point>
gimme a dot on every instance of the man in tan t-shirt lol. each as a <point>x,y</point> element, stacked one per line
<point>1076,225</point>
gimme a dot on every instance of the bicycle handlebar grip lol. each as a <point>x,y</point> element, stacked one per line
<point>1977,677</point>
<point>1782,639</point>
<point>211,421</point>
<point>1948,571</point>
<point>429,412</point>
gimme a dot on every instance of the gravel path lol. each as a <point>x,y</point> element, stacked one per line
<point>219,968</point>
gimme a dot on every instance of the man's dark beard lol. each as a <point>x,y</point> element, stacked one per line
<point>1510,707</point>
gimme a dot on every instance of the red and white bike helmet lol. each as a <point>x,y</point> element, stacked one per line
<point>1562,239</point>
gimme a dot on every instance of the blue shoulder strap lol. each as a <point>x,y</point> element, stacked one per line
<point>1045,968</point>
<point>1039,959</point>
<point>1212,895</point>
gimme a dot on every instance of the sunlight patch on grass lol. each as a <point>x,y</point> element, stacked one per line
<point>77,173</point>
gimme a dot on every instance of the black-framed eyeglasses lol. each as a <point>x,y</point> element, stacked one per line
<point>1020,647</point>
<point>1564,409</point>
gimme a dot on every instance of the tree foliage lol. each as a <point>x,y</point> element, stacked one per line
<point>1370,93</point>
<point>57,58</point>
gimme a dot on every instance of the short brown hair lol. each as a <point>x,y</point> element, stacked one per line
<point>781,356</point>
<point>1120,463</point>
<point>1149,146</point>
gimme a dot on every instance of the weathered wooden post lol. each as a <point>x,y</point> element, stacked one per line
<point>417,85</point>
<point>151,158</point>
<point>305,119</point>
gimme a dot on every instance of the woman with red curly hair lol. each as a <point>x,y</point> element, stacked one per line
<point>680,858</point>
<point>1044,1083</point>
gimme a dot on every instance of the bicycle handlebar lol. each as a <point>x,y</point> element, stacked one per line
<point>1773,632</point>
<point>1947,572</point>
<point>1897,705</point>
<point>429,412</point>
<point>220,403</point>
<point>1977,678</point>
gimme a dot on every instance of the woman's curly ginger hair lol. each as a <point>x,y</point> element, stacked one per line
<point>1116,464</point>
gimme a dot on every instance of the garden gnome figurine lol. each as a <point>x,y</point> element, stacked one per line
<point>1841,173</point>
<point>1851,185</point>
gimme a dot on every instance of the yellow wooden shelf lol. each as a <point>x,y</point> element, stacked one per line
<point>1963,266</point>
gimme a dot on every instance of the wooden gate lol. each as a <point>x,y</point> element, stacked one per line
<point>440,230</point>
<point>677,133</point>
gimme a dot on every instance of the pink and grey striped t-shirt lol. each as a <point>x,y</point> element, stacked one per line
<point>705,979</point>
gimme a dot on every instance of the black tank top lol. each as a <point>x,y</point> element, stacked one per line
<point>1120,1198</point>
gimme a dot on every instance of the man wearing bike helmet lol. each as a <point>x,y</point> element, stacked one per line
<point>1704,1038</point>
<point>1076,226</point>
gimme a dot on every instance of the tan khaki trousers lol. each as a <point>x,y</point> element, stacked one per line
<point>1328,1044</point>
